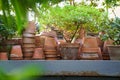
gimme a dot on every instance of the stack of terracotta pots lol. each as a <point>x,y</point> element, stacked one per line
<point>38,54</point>
<point>16,53</point>
<point>29,41</point>
<point>50,48</point>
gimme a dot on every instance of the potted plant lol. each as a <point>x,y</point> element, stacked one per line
<point>7,31</point>
<point>113,34</point>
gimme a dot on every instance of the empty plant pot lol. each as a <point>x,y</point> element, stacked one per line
<point>69,51</point>
<point>16,52</point>
<point>38,54</point>
<point>114,52</point>
<point>3,56</point>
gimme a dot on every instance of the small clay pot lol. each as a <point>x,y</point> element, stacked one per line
<point>3,56</point>
<point>38,54</point>
<point>16,51</point>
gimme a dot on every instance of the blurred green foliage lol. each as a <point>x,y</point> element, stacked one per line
<point>7,30</point>
<point>113,31</point>
<point>20,8</point>
<point>23,73</point>
<point>70,18</point>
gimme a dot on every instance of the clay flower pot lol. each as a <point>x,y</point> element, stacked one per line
<point>69,51</point>
<point>16,52</point>
<point>90,49</point>
<point>106,43</point>
<point>114,52</point>
<point>3,56</point>
<point>38,54</point>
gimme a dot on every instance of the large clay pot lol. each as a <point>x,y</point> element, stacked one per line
<point>50,41</point>
<point>50,44</point>
<point>69,51</point>
<point>90,49</point>
<point>3,56</point>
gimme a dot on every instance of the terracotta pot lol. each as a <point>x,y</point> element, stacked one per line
<point>50,42</point>
<point>90,49</point>
<point>16,52</point>
<point>69,51</point>
<point>3,56</point>
<point>90,42</point>
<point>114,52</point>
<point>38,54</point>
<point>106,43</point>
